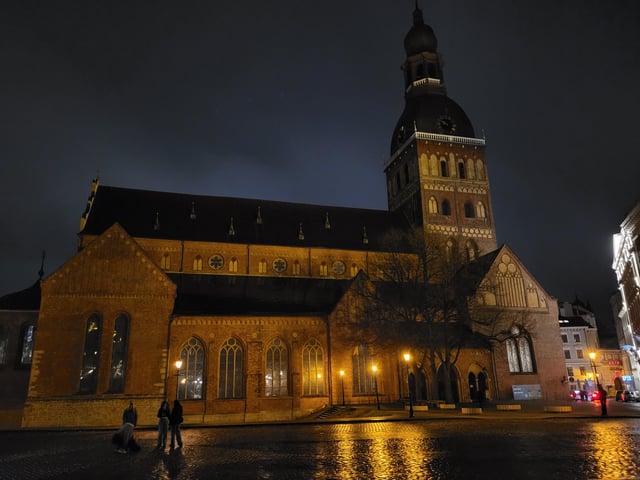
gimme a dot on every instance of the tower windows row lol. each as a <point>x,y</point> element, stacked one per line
<point>450,167</point>
<point>444,208</point>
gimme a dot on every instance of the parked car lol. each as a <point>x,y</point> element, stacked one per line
<point>628,396</point>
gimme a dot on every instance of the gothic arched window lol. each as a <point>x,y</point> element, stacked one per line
<point>277,369</point>
<point>231,373</point>
<point>191,379</point>
<point>91,355</point>
<point>26,349</point>
<point>519,354</point>
<point>481,211</point>
<point>362,373</point>
<point>312,368</point>
<point>444,170</point>
<point>433,205</point>
<point>461,170</point>
<point>119,349</point>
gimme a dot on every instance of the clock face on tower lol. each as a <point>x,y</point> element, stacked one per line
<point>445,124</point>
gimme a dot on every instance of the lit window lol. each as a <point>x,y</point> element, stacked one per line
<point>231,384</point>
<point>233,265</point>
<point>362,373</point>
<point>295,268</point>
<point>354,269</point>
<point>191,378</point>
<point>262,266</point>
<point>323,269</point>
<point>91,355</point>
<point>579,353</point>
<point>481,210</point>
<point>519,354</point>
<point>312,369</point>
<point>277,370</point>
<point>119,348</point>
<point>165,263</point>
<point>197,264</point>
<point>26,352</point>
<point>433,205</point>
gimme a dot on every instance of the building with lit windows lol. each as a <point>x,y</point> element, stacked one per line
<point>626,303</point>
<point>255,298</point>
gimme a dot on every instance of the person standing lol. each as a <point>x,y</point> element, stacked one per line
<point>175,419</point>
<point>603,400</point>
<point>124,437</point>
<point>163,423</point>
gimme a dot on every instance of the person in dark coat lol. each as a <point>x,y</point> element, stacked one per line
<point>163,423</point>
<point>123,439</point>
<point>175,419</point>
<point>603,400</point>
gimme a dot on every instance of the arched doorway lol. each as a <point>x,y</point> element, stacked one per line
<point>473,387</point>
<point>453,380</point>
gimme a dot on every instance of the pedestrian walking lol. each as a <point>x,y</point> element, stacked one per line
<point>175,419</point>
<point>603,400</point>
<point>163,423</point>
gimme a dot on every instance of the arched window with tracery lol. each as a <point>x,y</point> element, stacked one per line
<point>191,378</point>
<point>312,368</point>
<point>277,369</point>
<point>231,373</point>
<point>519,353</point>
<point>362,374</point>
<point>91,355</point>
<point>165,263</point>
<point>119,350</point>
<point>233,265</point>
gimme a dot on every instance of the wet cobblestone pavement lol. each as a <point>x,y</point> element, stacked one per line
<point>504,446</point>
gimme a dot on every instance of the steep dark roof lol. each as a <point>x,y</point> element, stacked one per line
<point>27,299</point>
<point>135,210</point>
<point>473,273</point>
<point>249,295</point>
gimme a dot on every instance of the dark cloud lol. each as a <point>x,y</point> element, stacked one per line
<point>297,102</point>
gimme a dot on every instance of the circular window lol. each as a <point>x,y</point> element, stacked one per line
<point>216,261</point>
<point>338,268</point>
<point>280,265</point>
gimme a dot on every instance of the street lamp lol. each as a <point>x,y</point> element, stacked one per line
<point>375,384</point>
<point>407,357</point>
<point>592,356</point>
<point>342,383</point>
<point>178,373</point>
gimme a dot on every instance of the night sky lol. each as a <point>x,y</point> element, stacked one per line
<point>296,101</point>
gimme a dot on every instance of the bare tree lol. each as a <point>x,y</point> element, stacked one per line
<point>415,297</point>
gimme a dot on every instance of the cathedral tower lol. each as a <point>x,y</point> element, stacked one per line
<point>437,174</point>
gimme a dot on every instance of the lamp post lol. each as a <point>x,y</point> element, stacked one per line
<point>592,356</point>
<point>375,384</point>
<point>407,357</point>
<point>178,373</point>
<point>342,384</point>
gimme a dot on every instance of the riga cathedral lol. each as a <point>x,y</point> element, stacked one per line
<point>253,297</point>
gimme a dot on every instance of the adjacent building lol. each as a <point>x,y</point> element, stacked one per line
<point>626,302</point>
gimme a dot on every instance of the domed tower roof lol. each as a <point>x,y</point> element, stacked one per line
<point>421,37</point>
<point>427,106</point>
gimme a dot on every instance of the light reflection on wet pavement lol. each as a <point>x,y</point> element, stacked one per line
<point>565,449</point>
